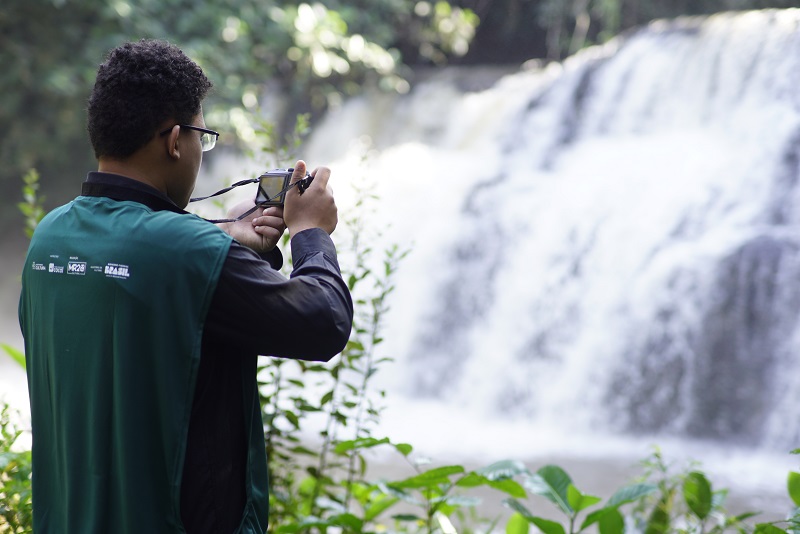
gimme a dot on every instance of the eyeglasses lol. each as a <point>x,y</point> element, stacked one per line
<point>208,138</point>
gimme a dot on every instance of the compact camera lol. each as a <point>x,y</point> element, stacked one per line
<point>273,185</point>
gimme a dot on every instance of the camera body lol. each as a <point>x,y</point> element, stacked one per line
<point>273,185</point>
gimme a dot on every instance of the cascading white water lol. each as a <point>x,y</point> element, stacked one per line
<point>611,245</point>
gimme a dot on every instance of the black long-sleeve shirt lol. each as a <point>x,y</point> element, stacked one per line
<point>255,310</point>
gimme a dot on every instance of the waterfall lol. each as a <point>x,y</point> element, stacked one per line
<point>610,244</point>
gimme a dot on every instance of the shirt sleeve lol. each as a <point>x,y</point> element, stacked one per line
<point>307,316</point>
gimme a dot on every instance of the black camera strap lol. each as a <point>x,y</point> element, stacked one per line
<point>301,184</point>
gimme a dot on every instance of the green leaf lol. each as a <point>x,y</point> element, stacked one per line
<point>611,522</point>
<point>630,493</point>
<point>578,501</point>
<point>595,517</point>
<point>659,520</point>
<point>347,520</point>
<point>793,484</point>
<point>697,494</point>
<point>326,398</point>
<point>292,418</point>
<point>472,480</point>
<point>378,505</point>
<point>16,355</point>
<point>517,524</point>
<point>362,443</point>
<point>519,508</point>
<point>547,526</point>
<point>403,448</point>
<point>406,517</point>
<point>503,469</point>
<point>551,482</point>
<point>439,475</point>
<point>768,528</point>
<point>511,487</point>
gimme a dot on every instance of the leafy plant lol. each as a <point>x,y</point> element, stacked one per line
<point>32,202</point>
<point>553,483</point>
<point>16,512</point>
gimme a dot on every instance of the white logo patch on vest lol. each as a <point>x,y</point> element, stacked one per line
<point>115,270</point>
<point>76,267</point>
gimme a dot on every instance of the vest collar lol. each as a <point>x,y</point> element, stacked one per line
<point>118,187</point>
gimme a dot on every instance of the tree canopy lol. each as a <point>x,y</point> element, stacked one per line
<point>286,56</point>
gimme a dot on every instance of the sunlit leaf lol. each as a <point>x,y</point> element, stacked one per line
<point>517,524</point>
<point>793,484</point>
<point>697,494</point>
<point>578,501</point>
<point>611,523</point>
<point>403,448</point>
<point>16,355</point>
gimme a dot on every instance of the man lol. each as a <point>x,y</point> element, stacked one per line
<point>142,323</point>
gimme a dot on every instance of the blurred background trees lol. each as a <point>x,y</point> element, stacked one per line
<point>278,56</point>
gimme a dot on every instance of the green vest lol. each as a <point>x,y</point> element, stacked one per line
<point>114,297</point>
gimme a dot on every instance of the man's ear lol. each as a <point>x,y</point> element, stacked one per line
<point>171,146</point>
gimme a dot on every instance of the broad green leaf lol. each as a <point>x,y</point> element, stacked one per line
<point>793,485</point>
<point>547,526</point>
<point>517,524</point>
<point>503,469</point>
<point>611,523</point>
<point>439,475</point>
<point>595,517</point>
<point>511,487</point>
<point>472,480</point>
<point>551,482</point>
<point>307,486</point>
<point>697,494</point>
<point>362,443</point>
<point>403,448</point>
<point>347,520</point>
<point>629,494</point>
<point>16,355</point>
<point>659,520</point>
<point>578,501</point>
<point>768,528</point>
<point>379,505</point>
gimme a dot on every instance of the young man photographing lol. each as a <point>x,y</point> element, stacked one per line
<point>142,323</point>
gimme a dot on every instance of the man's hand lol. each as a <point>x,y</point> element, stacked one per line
<point>260,230</point>
<point>315,208</point>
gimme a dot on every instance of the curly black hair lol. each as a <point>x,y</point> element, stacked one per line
<point>141,85</point>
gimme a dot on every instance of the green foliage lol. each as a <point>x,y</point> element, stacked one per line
<point>16,515</point>
<point>16,355</point>
<point>32,202</point>
<point>283,56</point>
